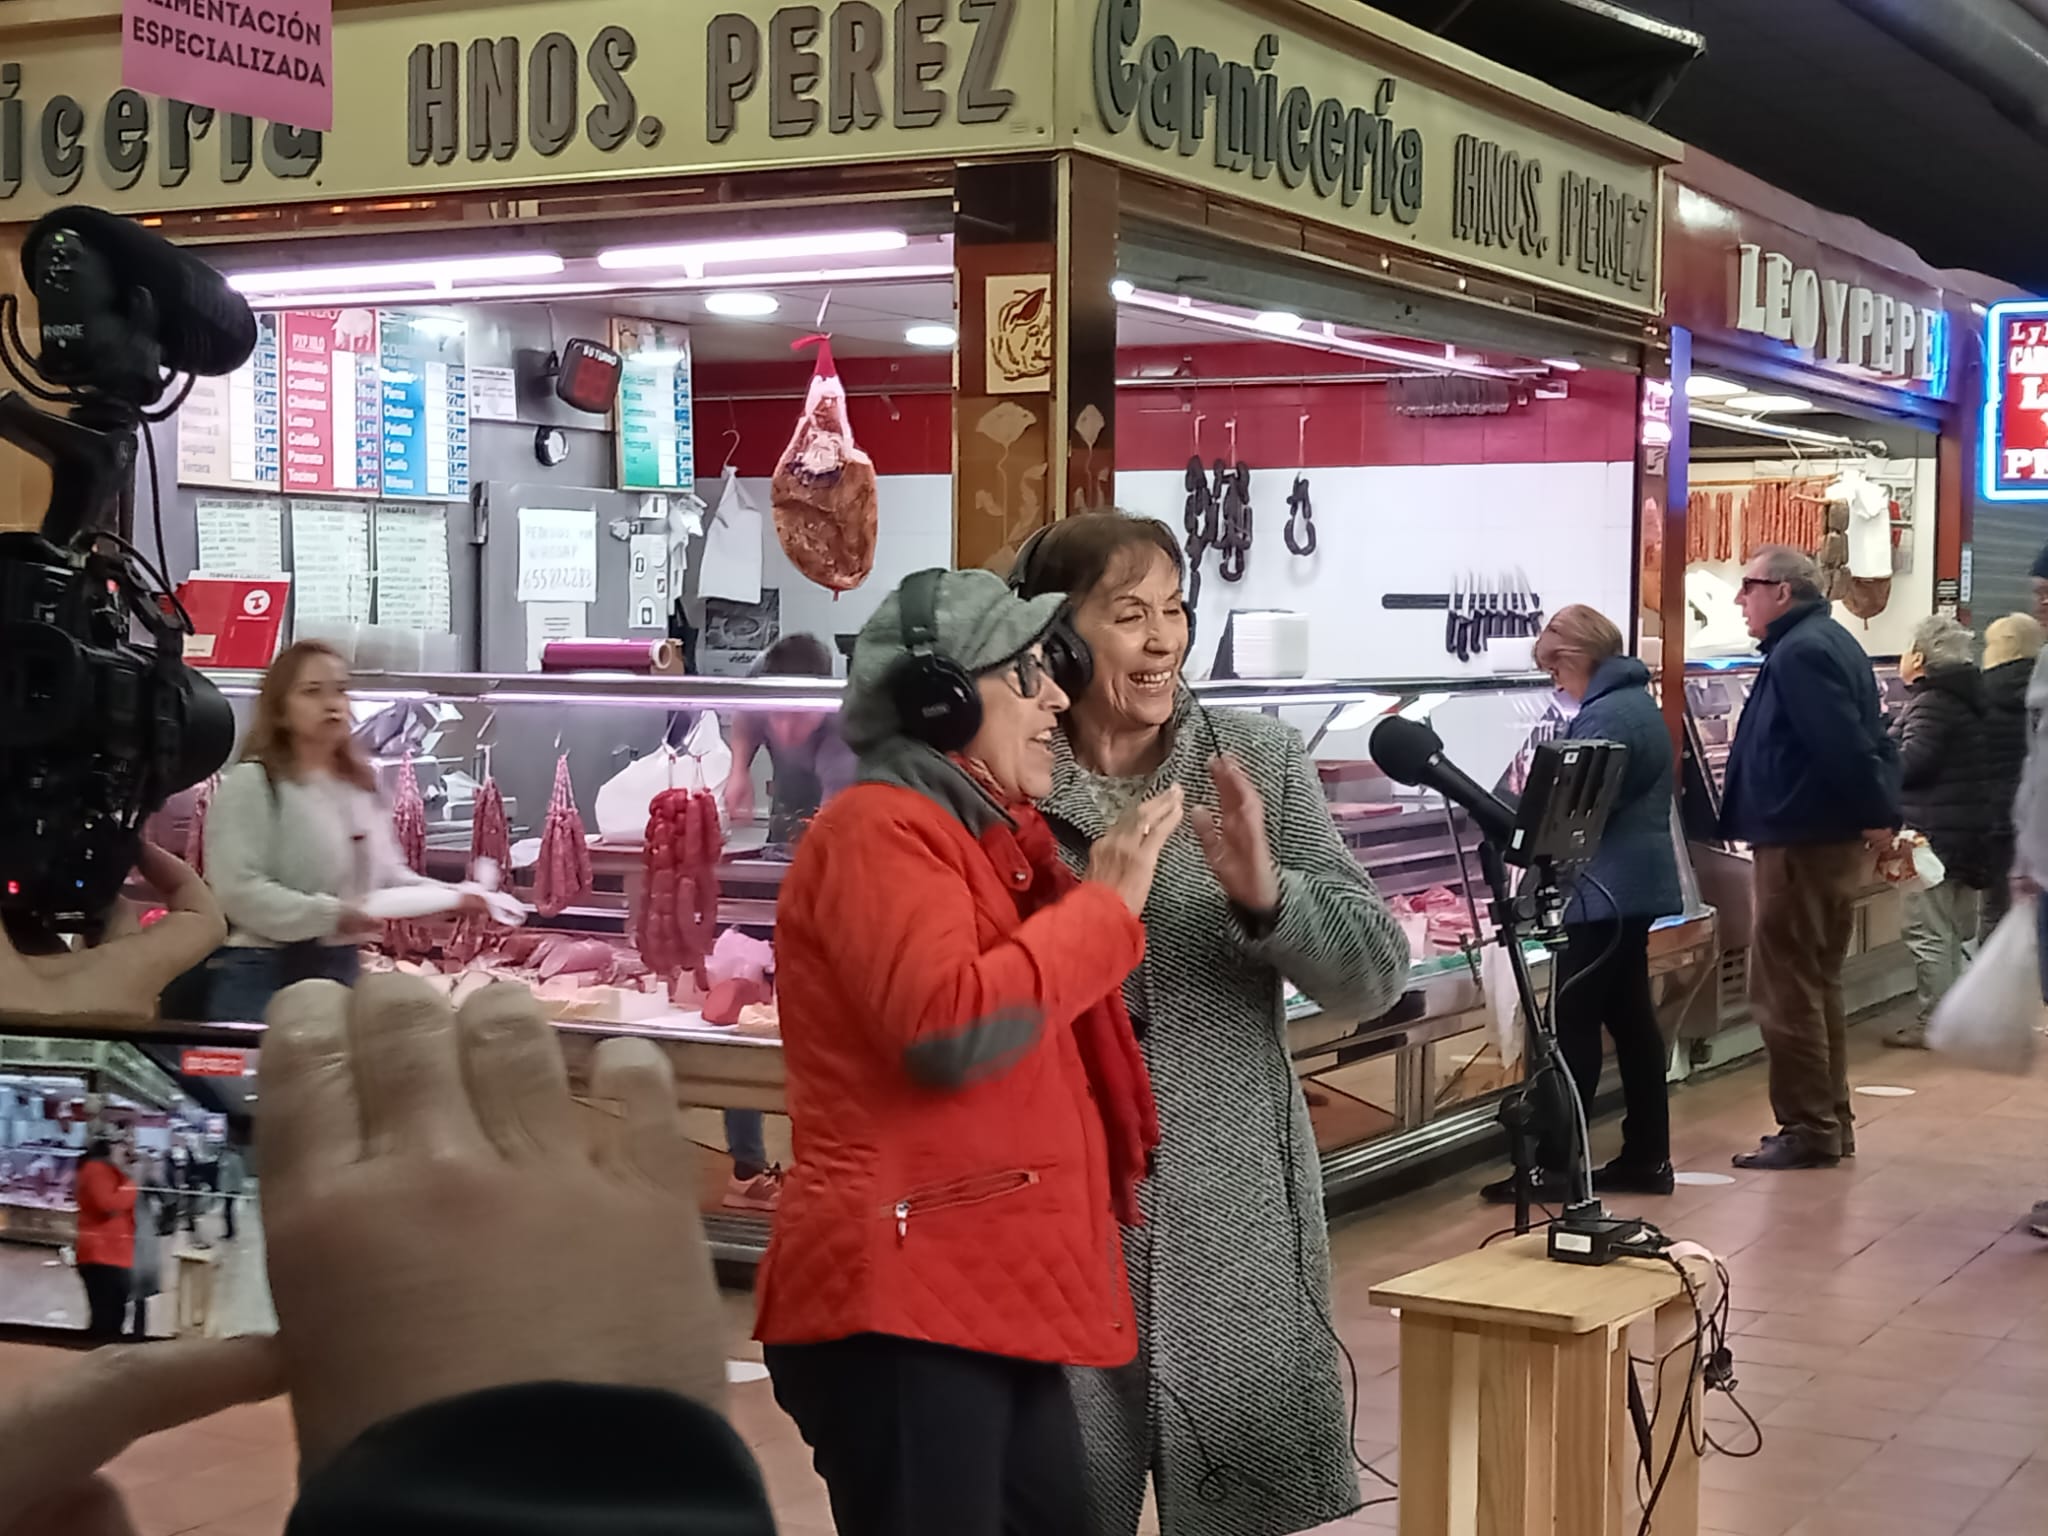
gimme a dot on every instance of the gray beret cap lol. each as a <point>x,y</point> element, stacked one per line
<point>980,624</point>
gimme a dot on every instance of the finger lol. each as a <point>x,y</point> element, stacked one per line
<point>177,882</point>
<point>310,1117</point>
<point>56,1435</point>
<point>633,1077</point>
<point>512,1061</point>
<point>408,1069</point>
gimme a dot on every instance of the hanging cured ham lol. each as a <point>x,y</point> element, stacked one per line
<point>564,871</point>
<point>824,487</point>
<point>490,839</point>
<point>675,919</point>
<point>409,827</point>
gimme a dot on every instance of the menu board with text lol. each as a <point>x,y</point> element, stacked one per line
<point>331,417</point>
<point>424,414</point>
<point>228,428</point>
<point>656,428</point>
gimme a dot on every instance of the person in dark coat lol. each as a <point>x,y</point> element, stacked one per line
<point>1813,788</point>
<point>1946,794</point>
<point>1603,977</point>
<point>2011,646</point>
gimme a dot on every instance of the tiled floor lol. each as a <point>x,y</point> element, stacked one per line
<point>1892,1330</point>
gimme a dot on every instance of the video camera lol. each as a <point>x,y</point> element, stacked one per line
<point>100,719</point>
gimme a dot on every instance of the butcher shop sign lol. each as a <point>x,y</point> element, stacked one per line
<point>2016,403</point>
<point>1353,130</point>
<point>505,95</point>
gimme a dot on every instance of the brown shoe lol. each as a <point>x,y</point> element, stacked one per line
<point>1907,1037</point>
<point>1785,1151</point>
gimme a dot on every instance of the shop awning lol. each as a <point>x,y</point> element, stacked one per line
<point>1601,53</point>
<point>1923,118</point>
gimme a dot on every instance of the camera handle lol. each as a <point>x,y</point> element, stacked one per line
<point>91,455</point>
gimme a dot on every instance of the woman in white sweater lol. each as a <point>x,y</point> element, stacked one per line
<point>296,839</point>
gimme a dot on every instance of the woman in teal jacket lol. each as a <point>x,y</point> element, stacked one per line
<point>1603,976</point>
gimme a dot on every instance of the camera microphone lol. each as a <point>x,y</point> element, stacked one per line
<point>88,268</point>
<point>1411,753</point>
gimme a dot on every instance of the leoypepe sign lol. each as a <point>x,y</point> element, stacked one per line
<point>2015,438</point>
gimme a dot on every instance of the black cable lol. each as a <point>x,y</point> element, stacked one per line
<point>156,497</point>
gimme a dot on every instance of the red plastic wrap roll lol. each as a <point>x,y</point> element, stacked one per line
<point>610,656</point>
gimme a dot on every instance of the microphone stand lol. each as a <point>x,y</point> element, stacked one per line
<point>1539,910</point>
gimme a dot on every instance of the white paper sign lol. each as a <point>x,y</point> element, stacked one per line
<point>330,565</point>
<point>240,536</point>
<point>553,621</point>
<point>649,590</point>
<point>557,555</point>
<point>493,394</point>
<point>412,568</point>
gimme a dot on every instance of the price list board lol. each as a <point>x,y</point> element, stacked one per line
<point>424,407</point>
<point>230,429</point>
<point>332,424</point>
<point>656,429</point>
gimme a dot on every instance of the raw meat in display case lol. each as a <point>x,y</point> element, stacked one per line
<point>675,921</point>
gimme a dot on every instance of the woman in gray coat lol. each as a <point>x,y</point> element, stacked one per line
<point>1234,1406</point>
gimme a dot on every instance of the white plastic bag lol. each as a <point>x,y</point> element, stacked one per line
<point>731,564</point>
<point>1991,1017</point>
<point>1503,1003</point>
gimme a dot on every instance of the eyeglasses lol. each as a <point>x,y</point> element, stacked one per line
<point>1029,671</point>
<point>1750,583</point>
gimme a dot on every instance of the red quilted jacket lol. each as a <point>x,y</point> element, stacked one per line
<point>951,1182</point>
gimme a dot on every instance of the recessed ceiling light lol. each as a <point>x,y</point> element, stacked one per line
<point>934,336</point>
<point>1278,321</point>
<point>695,258</point>
<point>1704,386</point>
<point>401,274</point>
<point>1123,288</point>
<point>1768,405</point>
<point>743,305</point>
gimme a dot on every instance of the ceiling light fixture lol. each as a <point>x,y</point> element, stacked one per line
<point>431,276</point>
<point>695,258</point>
<point>1767,405</point>
<point>1321,339</point>
<point>1563,364</point>
<point>1277,322</point>
<point>936,337</point>
<point>742,305</point>
<point>1704,386</point>
<point>817,277</point>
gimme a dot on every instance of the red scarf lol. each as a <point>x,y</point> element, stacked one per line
<point>1109,1046</point>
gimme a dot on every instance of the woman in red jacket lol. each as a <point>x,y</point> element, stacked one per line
<point>970,1109</point>
<point>106,1239</point>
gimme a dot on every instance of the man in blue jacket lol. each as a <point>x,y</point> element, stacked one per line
<point>1813,788</point>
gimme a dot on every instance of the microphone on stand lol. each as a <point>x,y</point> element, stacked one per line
<point>1411,753</point>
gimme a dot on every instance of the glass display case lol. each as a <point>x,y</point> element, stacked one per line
<point>1383,1093</point>
<point>1879,967</point>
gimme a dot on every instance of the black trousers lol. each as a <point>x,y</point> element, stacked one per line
<point>915,1439</point>
<point>1613,994</point>
<point>106,1300</point>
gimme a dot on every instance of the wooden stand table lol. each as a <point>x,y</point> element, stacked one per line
<point>1514,1394</point>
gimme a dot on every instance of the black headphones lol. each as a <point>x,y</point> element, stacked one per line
<point>1067,655</point>
<point>935,697</point>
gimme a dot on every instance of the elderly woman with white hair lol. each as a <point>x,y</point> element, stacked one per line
<point>1947,793</point>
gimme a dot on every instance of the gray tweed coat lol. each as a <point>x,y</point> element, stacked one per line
<point>1234,1404</point>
